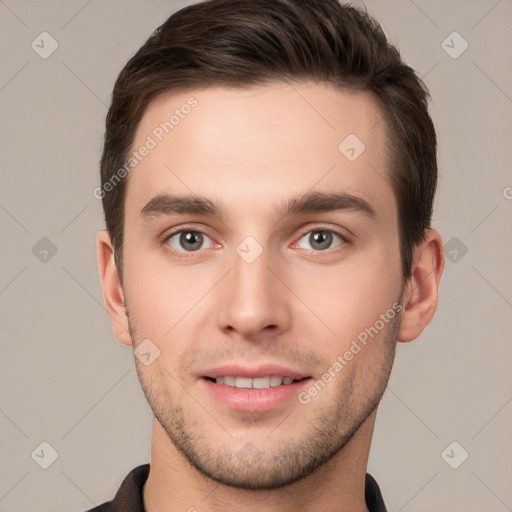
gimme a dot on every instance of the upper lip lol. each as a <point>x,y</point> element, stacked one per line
<point>262,370</point>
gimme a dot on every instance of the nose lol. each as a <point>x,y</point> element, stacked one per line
<point>253,300</point>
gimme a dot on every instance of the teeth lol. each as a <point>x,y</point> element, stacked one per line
<point>256,383</point>
<point>243,382</point>
<point>229,381</point>
<point>276,381</point>
<point>261,382</point>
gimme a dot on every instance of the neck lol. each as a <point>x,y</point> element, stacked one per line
<point>175,485</point>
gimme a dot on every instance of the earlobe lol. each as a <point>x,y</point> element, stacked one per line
<point>422,288</point>
<point>112,290</point>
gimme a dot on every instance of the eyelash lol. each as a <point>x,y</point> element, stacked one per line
<point>188,254</point>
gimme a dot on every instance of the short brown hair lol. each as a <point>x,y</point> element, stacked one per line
<point>239,43</point>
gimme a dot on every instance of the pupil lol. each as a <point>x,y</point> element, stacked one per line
<point>189,239</point>
<point>319,235</point>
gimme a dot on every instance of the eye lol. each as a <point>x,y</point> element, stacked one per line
<point>188,240</point>
<point>321,239</point>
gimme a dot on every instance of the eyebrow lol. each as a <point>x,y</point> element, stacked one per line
<point>311,202</point>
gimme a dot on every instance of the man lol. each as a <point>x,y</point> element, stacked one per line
<point>268,177</point>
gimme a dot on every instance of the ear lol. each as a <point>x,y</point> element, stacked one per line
<point>112,290</point>
<point>422,287</point>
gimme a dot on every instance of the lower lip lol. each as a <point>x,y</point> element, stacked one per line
<point>255,400</point>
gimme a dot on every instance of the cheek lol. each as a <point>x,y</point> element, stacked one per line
<point>153,288</point>
<point>348,297</point>
<point>165,302</point>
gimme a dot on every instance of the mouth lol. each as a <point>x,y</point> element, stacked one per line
<point>255,388</point>
<point>255,395</point>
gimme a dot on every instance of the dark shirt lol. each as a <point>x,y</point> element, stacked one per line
<point>129,496</point>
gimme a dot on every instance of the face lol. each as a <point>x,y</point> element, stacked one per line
<point>287,266</point>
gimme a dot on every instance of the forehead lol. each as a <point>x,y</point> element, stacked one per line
<point>248,147</point>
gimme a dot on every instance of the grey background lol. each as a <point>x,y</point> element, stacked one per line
<point>66,381</point>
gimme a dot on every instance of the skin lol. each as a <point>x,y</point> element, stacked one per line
<point>296,304</point>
